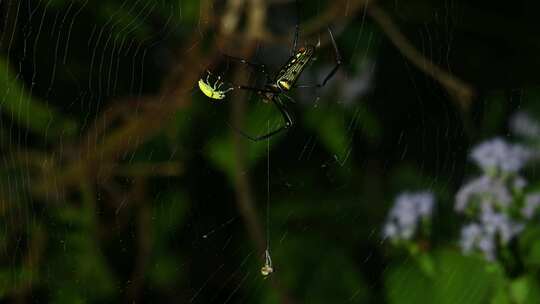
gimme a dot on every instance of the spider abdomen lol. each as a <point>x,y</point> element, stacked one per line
<point>290,72</point>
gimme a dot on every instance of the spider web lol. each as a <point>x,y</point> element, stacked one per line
<point>122,183</point>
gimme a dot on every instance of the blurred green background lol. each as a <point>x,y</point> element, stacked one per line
<point>121,182</point>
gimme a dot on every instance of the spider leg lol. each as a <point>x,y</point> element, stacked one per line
<point>255,66</point>
<point>296,28</point>
<point>334,69</point>
<point>287,118</point>
<point>254,89</point>
<point>289,98</point>
<point>338,58</point>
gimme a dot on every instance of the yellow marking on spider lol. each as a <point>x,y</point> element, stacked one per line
<point>284,84</point>
<point>213,91</point>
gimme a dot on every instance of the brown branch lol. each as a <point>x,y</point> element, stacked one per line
<point>144,238</point>
<point>333,15</point>
<point>155,112</point>
<point>257,19</point>
<point>460,91</point>
<point>231,17</point>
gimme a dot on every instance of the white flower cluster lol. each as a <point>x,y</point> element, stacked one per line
<point>498,156</point>
<point>408,211</point>
<point>483,190</point>
<point>492,195</point>
<point>496,203</point>
<point>492,226</point>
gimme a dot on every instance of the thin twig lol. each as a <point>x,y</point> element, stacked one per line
<point>460,91</point>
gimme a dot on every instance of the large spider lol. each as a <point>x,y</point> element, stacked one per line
<point>277,86</point>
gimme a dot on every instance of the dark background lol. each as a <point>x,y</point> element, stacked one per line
<point>121,182</point>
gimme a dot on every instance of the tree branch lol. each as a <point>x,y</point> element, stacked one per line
<point>461,92</point>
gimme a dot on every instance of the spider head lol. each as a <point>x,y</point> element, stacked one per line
<point>284,84</point>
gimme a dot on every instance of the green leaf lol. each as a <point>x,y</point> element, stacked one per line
<point>529,247</point>
<point>525,290</point>
<point>457,279</point>
<point>463,279</point>
<point>427,264</point>
<point>519,290</point>
<point>501,296</point>
<point>403,283</point>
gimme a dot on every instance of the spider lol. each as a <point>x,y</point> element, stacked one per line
<point>276,87</point>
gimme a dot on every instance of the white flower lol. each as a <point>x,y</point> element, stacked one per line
<point>493,193</point>
<point>473,237</point>
<point>470,235</point>
<point>482,236</point>
<point>390,231</point>
<point>532,202</point>
<point>408,210</point>
<point>486,244</point>
<point>499,223</point>
<point>496,154</point>
<point>522,124</point>
<point>485,190</point>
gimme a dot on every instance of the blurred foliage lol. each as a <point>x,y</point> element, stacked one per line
<point>34,115</point>
<point>160,222</point>
<point>456,279</point>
